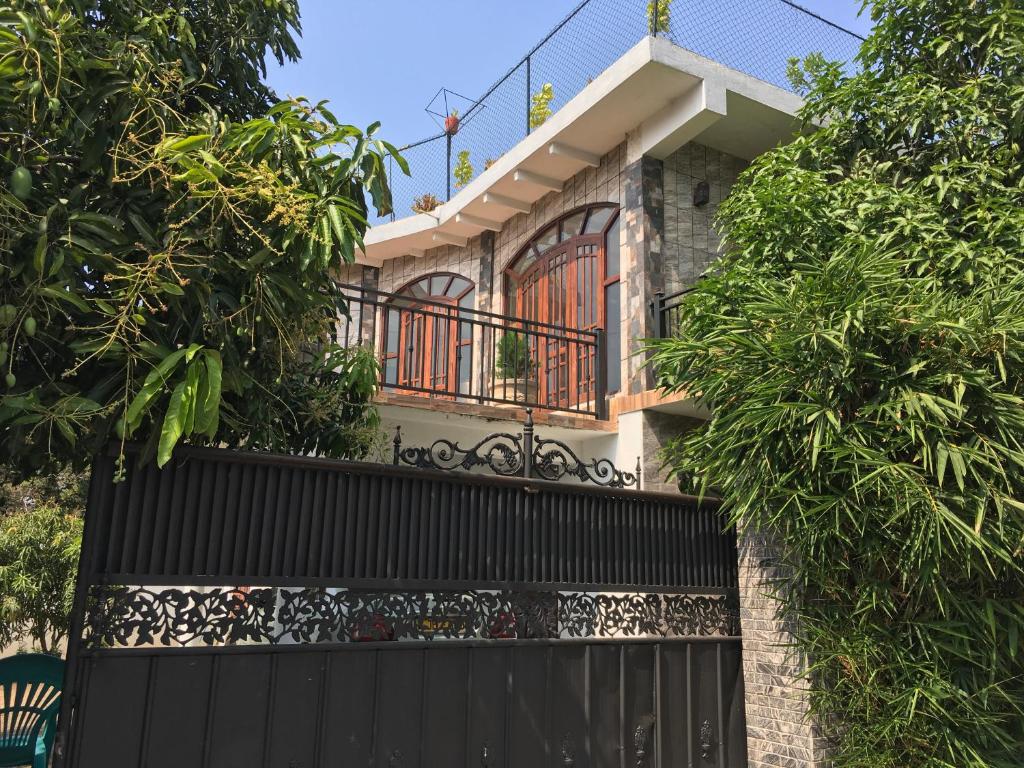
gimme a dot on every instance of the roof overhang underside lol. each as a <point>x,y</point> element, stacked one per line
<point>661,94</point>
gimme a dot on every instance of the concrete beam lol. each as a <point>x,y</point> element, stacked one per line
<point>450,239</point>
<point>529,177</point>
<point>682,120</point>
<point>574,153</point>
<point>477,221</point>
<point>492,198</point>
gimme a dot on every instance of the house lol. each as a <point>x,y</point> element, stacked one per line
<point>534,284</point>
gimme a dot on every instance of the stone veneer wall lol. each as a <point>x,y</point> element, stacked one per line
<point>779,732</point>
<point>691,242</point>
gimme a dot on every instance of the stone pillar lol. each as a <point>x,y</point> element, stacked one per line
<point>643,217</point>
<point>779,732</point>
<point>487,299</point>
<point>370,279</point>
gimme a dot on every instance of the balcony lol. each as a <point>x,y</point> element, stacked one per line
<point>444,350</point>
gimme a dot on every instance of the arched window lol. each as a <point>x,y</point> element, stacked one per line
<point>425,345</point>
<point>568,275</point>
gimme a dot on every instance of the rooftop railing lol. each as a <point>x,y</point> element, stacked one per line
<point>758,37</point>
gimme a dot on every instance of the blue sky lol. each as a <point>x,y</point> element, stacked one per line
<point>386,60</point>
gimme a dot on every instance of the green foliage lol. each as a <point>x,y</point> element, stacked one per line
<point>513,356</point>
<point>168,231</point>
<point>463,170</point>
<point>861,345</point>
<point>540,105</point>
<point>658,16</point>
<point>38,561</point>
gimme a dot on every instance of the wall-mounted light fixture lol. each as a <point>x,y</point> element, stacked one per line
<point>701,194</point>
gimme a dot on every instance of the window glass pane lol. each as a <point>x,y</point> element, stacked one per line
<point>611,250</point>
<point>598,218</point>
<point>391,371</point>
<point>391,346</point>
<point>437,284</point>
<point>465,369</point>
<point>417,289</point>
<point>547,238</point>
<point>571,225</point>
<point>468,301</point>
<point>528,259</point>
<point>613,335</point>
<point>458,286</point>
<point>511,294</point>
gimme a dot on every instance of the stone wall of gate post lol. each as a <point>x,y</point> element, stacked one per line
<point>780,734</point>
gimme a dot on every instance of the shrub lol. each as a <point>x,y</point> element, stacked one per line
<point>540,105</point>
<point>861,347</point>
<point>39,549</point>
<point>513,356</point>
<point>463,170</point>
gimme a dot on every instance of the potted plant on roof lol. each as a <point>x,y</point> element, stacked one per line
<point>451,123</point>
<point>515,372</point>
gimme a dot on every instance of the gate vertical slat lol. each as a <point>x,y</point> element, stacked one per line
<point>383,533</point>
<point>298,525</point>
<point>210,701</point>
<point>360,510</point>
<point>268,723</point>
<point>319,758</point>
<point>268,505</point>
<point>143,525</point>
<point>226,534</point>
<point>194,555</point>
<point>214,520</point>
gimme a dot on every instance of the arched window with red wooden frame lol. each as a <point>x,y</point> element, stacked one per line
<point>568,275</point>
<point>426,348</point>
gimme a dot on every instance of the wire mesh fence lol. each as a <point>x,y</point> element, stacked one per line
<point>757,37</point>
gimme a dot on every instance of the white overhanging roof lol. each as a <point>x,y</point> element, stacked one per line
<point>666,96</point>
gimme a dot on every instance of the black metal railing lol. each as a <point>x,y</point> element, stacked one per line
<point>757,37</point>
<point>666,310</point>
<point>450,351</point>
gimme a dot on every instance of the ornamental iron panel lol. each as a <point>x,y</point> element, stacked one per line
<point>246,609</point>
<point>515,455</point>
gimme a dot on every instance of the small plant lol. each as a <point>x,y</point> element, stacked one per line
<point>463,170</point>
<point>513,356</point>
<point>451,123</point>
<point>658,16</point>
<point>425,203</point>
<point>489,162</point>
<point>540,105</point>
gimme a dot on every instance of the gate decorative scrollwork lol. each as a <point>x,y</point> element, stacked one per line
<point>136,616</point>
<point>516,455</point>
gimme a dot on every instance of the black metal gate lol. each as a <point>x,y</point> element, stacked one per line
<point>240,610</point>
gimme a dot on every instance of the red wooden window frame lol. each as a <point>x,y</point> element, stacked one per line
<point>559,278</point>
<point>421,349</point>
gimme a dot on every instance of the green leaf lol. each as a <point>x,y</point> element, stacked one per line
<point>174,422</point>
<point>189,142</point>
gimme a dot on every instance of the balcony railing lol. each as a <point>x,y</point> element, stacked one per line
<point>665,308</point>
<point>458,353</point>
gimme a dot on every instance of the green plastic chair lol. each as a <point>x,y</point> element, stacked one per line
<point>29,699</point>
